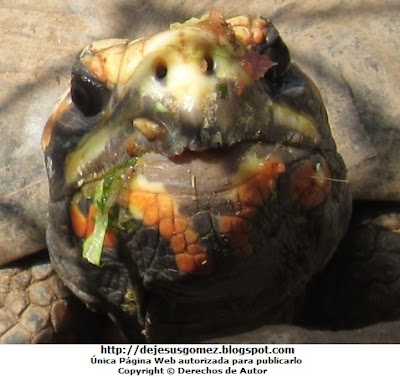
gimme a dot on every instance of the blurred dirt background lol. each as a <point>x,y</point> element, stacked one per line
<point>350,48</point>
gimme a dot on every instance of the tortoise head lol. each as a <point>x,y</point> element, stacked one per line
<point>178,162</point>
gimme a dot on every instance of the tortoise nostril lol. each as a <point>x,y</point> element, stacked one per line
<point>210,64</point>
<point>160,69</point>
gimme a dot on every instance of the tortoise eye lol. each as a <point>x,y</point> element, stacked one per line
<point>276,50</point>
<point>89,95</point>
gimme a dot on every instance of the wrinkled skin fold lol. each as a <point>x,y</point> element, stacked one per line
<point>236,196</point>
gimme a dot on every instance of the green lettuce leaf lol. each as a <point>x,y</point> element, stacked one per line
<point>105,196</point>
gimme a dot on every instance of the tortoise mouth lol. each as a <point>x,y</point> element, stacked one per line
<point>177,195</point>
<point>110,146</point>
<point>190,173</point>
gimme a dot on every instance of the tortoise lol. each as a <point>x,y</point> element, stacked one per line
<point>196,190</point>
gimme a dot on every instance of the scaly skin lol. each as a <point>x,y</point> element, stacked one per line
<point>33,302</point>
<point>229,193</point>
